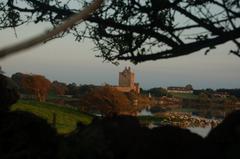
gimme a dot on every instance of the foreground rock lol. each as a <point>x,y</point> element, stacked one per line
<point>26,136</point>
<point>123,138</point>
<point>225,138</point>
<point>23,135</point>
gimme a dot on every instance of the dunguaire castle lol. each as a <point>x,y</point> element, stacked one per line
<point>126,81</point>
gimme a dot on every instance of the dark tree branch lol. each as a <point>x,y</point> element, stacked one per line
<point>187,48</point>
<point>46,36</point>
<point>200,22</point>
<point>139,30</point>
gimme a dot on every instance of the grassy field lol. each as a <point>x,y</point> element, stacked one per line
<point>66,118</point>
<point>184,95</point>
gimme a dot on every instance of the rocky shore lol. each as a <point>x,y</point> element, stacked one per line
<point>185,120</point>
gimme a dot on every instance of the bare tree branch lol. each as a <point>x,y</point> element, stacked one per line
<point>70,22</point>
<point>187,48</point>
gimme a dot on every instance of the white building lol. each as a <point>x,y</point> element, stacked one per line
<point>187,89</point>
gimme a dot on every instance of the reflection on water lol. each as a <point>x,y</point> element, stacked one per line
<point>145,112</point>
<point>200,131</point>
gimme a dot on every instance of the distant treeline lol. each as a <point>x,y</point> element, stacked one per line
<point>155,92</point>
<point>38,84</point>
<point>233,92</point>
<point>159,91</point>
<point>41,87</point>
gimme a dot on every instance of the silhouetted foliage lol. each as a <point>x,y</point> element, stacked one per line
<point>138,30</point>
<point>72,88</point>
<point>8,92</point>
<point>233,92</point>
<point>77,91</point>
<point>59,88</point>
<point>83,89</point>
<point>156,92</point>
<point>17,78</point>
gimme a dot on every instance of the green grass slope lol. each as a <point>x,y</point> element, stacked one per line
<point>66,118</point>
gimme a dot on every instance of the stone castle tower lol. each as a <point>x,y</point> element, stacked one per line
<point>126,78</point>
<point>127,81</point>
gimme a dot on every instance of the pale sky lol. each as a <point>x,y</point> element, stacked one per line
<point>69,61</point>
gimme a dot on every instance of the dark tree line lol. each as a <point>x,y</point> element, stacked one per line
<point>138,30</point>
<point>156,92</point>
<point>32,83</point>
<point>233,92</point>
<point>79,90</point>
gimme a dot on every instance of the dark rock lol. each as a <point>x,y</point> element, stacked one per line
<point>122,137</point>
<point>25,136</point>
<point>225,138</point>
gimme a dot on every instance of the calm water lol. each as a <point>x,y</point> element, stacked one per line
<point>200,131</point>
<point>145,112</point>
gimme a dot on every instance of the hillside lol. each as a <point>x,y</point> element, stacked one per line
<point>66,118</point>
